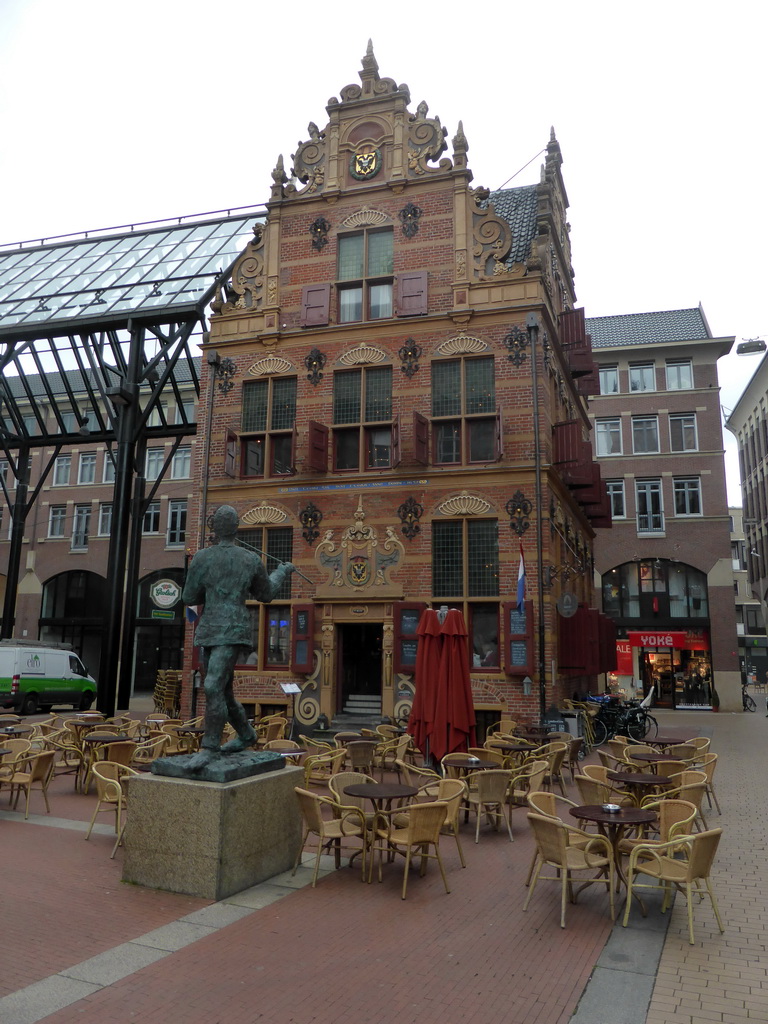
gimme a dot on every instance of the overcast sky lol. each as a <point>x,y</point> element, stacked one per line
<point>119,113</point>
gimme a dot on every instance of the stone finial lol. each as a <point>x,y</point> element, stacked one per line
<point>370,65</point>
<point>460,147</point>
<point>278,172</point>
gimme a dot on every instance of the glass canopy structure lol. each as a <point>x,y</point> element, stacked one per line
<point>97,331</point>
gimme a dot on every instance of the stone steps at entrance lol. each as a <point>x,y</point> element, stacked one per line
<point>362,704</point>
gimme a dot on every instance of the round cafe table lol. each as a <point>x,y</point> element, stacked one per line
<point>651,759</point>
<point>10,731</point>
<point>381,794</point>
<point>637,784</point>
<point>613,825</point>
<point>664,741</point>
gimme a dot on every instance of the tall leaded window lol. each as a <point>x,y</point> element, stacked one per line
<point>362,419</point>
<point>465,573</point>
<point>271,624</point>
<point>267,427</point>
<point>465,423</point>
<point>365,275</point>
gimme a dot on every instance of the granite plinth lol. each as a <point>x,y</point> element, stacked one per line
<point>211,839</point>
<point>222,767</point>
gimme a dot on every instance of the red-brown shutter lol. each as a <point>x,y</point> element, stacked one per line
<point>302,636</point>
<point>499,436</point>
<point>411,293</point>
<point>518,642</point>
<point>317,437</point>
<point>420,438</point>
<point>395,461</point>
<point>230,454</point>
<point>315,305</point>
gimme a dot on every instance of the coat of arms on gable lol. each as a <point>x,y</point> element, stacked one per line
<point>359,563</point>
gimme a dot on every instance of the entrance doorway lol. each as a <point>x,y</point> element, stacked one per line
<point>359,666</point>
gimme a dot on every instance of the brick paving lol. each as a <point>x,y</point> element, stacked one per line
<point>346,951</point>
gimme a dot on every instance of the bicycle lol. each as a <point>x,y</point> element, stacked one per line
<point>747,702</point>
<point>630,719</point>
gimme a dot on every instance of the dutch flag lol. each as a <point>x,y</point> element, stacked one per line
<point>521,581</point>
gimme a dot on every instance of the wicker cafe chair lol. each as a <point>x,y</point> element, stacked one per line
<point>315,746</point>
<point>527,779</point>
<point>349,823</point>
<point>598,773</point>
<point>556,847</point>
<point>425,824</point>
<point>145,753</point>
<point>111,795</point>
<point>572,758</point>
<point>488,794</point>
<point>673,818</point>
<point>548,804</point>
<point>687,785</point>
<point>318,768</point>
<point>339,782</point>
<point>31,769</point>
<point>418,775</point>
<point>662,862</point>
<point>361,755</point>
<point>707,764</point>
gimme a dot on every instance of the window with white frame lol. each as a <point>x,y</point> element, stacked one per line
<point>177,523</point>
<point>642,377</point>
<point>616,497</point>
<point>185,412</point>
<point>682,432</point>
<point>365,275</point>
<point>608,436</point>
<point>151,523</point>
<point>86,472</point>
<point>609,380</point>
<point>105,519</point>
<point>645,435</point>
<point>4,470</point>
<point>650,511</point>
<point>108,469</point>
<point>159,415</point>
<point>62,468</point>
<point>679,375</point>
<point>57,519</point>
<point>687,491</point>
<point>181,464</point>
<point>81,527</point>
<point>154,464</point>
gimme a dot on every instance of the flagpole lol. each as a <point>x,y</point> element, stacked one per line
<point>532,324</point>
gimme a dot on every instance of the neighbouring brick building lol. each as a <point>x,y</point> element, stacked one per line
<point>665,567</point>
<point>397,404</point>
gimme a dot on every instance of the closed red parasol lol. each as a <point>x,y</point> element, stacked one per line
<point>453,728</point>
<point>422,717</point>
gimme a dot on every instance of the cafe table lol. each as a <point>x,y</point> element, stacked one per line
<point>613,825</point>
<point>651,759</point>
<point>663,741</point>
<point>463,765</point>
<point>637,784</point>
<point>381,795</point>
<point>12,731</point>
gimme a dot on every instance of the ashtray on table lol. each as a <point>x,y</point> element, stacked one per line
<point>611,808</point>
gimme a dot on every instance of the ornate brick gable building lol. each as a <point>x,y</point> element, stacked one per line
<point>397,405</point>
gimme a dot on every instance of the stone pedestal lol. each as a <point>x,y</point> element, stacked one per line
<point>211,839</point>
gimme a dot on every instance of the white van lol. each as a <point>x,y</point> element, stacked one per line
<point>35,675</point>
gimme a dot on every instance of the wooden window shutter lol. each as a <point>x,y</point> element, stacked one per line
<point>396,454</point>
<point>499,438</point>
<point>411,294</point>
<point>302,636</point>
<point>230,454</point>
<point>420,438</point>
<point>315,305</point>
<point>518,647</point>
<point>318,446</point>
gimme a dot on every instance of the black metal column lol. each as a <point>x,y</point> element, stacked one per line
<point>126,403</point>
<point>130,605</point>
<point>17,540</point>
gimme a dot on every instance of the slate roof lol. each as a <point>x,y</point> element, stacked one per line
<point>518,207</point>
<point>115,274</point>
<point>182,374</point>
<point>648,328</point>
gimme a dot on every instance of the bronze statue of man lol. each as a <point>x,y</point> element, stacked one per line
<point>222,578</point>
